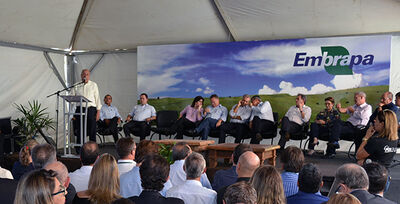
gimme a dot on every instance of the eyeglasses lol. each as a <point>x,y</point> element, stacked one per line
<point>62,190</point>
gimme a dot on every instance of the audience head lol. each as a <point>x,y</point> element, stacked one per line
<point>214,100</point>
<point>247,164</point>
<point>385,124</point>
<point>126,148</point>
<point>144,98</point>
<point>268,183</point>
<point>43,154</point>
<point>198,100</point>
<point>398,99</point>
<point>240,192</point>
<point>359,98</point>
<point>194,166</point>
<point>154,172</point>
<point>343,198</point>
<point>89,153</point>
<point>378,176</point>
<point>144,148</point>
<point>239,150</point>
<point>108,99</point>
<point>104,180</point>
<point>180,151</point>
<point>349,177</point>
<point>255,100</point>
<point>301,99</point>
<point>329,103</point>
<point>25,154</point>
<point>292,159</point>
<point>40,186</point>
<point>310,179</point>
<point>61,170</point>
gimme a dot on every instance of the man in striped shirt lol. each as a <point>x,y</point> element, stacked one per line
<point>292,160</point>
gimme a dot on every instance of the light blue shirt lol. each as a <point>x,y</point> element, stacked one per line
<point>131,184</point>
<point>108,112</point>
<point>289,180</point>
<point>141,112</point>
<point>177,176</point>
<point>263,111</point>
<point>193,192</point>
<point>243,111</point>
<point>218,113</point>
<point>398,115</point>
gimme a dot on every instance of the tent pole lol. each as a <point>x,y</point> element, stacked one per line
<point>222,18</point>
<point>31,47</point>
<point>96,63</point>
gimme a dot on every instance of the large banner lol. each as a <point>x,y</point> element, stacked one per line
<point>308,66</point>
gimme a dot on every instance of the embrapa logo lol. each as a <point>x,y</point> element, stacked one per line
<point>336,60</point>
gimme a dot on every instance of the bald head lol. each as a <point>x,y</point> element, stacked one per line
<point>60,168</point>
<point>247,164</point>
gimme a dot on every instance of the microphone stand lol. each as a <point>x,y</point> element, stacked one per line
<point>58,101</point>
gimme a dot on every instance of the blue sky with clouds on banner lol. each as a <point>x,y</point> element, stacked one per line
<point>256,67</point>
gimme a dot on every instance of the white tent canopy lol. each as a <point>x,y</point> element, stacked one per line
<point>81,30</point>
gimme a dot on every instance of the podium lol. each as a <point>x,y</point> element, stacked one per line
<point>68,115</point>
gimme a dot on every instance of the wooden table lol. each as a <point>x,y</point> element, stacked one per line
<point>196,145</point>
<point>225,151</point>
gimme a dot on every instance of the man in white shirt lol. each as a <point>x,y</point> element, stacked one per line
<point>89,155</point>
<point>295,117</point>
<point>126,149</point>
<point>140,117</point>
<point>192,191</point>
<point>89,90</point>
<point>261,118</point>
<point>177,176</point>
<point>109,118</point>
<point>4,173</point>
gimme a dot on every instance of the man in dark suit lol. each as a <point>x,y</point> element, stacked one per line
<point>378,181</point>
<point>7,190</point>
<point>154,172</point>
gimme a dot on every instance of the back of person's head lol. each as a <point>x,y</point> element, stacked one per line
<point>104,180</point>
<point>268,183</point>
<point>154,172</point>
<point>239,150</point>
<point>89,153</point>
<point>43,154</point>
<point>240,192</point>
<point>310,179</point>
<point>125,146</point>
<point>36,187</point>
<point>353,176</point>
<point>292,159</point>
<point>343,198</point>
<point>61,169</point>
<point>247,164</point>
<point>180,151</point>
<point>377,175</point>
<point>194,165</point>
<point>144,148</point>
<point>25,153</point>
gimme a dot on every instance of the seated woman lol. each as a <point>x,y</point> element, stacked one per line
<point>322,124</point>
<point>193,113</point>
<point>24,164</point>
<point>380,142</point>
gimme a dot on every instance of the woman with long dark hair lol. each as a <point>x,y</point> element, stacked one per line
<point>189,116</point>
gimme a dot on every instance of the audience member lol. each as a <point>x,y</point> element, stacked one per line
<point>193,114</point>
<point>248,162</point>
<point>292,160</point>
<point>192,191</point>
<point>109,118</point>
<point>140,117</point>
<point>310,182</point>
<point>154,172</point>
<point>89,155</point>
<point>294,118</point>
<point>343,198</point>
<point>240,114</point>
<point>397,101</point>
<point>43,154</point>
<point>63,178</point>
<point>240,193</point>
<point>24,163</point>
<point>40,186</point>
<point>378,180</point>
<point>386,103</point>
<point>262,118</point>
<point>4,173</point>
<point>126,149</point>
<point>103,183</point>
<point>227,177</point>
<point>177,176</point>
<point>8,188</point>
<point>268,184</point>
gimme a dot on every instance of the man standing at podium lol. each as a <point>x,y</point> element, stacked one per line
<point>89,90</point>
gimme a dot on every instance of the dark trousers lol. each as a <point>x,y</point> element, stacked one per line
<point>140,126</point>
<point>259,126</point>
<point>91,124</point>
<point>109,128</point>
<point>183,124</point>
<point>317,131</point>
<point>206,126</point>
<point>341,128</point>
<point>236,129</point>
<point>288,127</point>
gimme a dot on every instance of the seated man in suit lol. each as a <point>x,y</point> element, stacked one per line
<point>295,117</point>
<point>261,118</point>
<point>140,117</point>
<point>109,118</point>
<point>239,113</point>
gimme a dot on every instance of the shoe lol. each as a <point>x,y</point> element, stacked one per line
<point>334,144</point>
<point>310,152</point>
<point>329,156</point>
<point>258,137</point>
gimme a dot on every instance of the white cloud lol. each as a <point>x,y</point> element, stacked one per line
<point>266,91</point>
<point>376,76</point>
<point>204,81</point>
<point>208,90</point>
<point>320,89</point>
<point>347,81</point>
<point>288,88</point>
<point>199,90</point>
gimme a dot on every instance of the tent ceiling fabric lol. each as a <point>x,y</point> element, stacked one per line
<point>45,23</point>
<point>282,19</point>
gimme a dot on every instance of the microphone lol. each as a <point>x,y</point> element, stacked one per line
<point>84,80</point>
